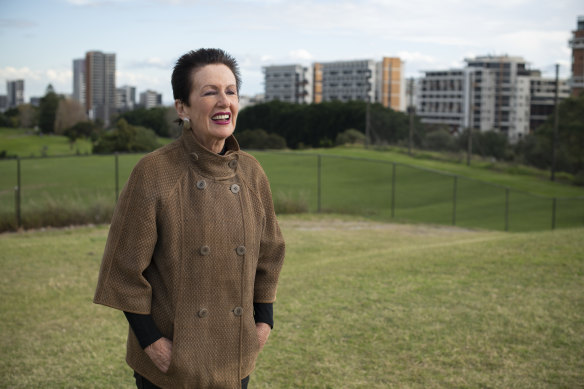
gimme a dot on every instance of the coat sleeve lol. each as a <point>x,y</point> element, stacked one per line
<point>130,244</point>
<point>272,250</point>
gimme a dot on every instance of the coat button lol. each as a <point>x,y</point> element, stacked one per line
<point>201,184</point>
<point>234,188</point>
<point>240,250</point>
<point>205,250</point>
<point>203,312</point>
<point>238,311</point>
<point>232,164</point>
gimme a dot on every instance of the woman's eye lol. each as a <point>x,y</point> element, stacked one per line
<point>231,92</point>
<point>209,93</point>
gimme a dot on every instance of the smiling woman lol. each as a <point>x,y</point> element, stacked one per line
<point>194,250</point>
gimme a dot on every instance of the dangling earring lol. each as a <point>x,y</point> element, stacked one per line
<point>186,124</point>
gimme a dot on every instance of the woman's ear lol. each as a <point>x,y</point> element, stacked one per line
<point>180,108</point>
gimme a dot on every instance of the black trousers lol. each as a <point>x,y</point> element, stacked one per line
<point>143,383</point>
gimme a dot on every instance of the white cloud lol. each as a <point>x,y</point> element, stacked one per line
<point>300,54</point>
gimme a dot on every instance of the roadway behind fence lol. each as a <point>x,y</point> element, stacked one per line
<point>35,188</point>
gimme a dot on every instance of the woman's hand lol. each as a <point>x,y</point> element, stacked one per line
<point>160,352</point>
<point>263,331</point>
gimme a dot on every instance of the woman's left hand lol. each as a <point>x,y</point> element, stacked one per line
<point>263,331</point>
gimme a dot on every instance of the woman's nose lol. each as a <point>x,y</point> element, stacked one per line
<point>223,100</point>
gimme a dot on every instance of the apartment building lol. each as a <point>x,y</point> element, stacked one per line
<point>457,97</point>
<point>492,92</point>
<point>347,80</point>
<point>577,45</point>
<point>100,85</point>
<point>511,92</point>
<point>126,98</point>
<point>15,93</point>
<point>364,80</point>
<point>79,80</point>
<point>289,83</point>
<point>150,99</point>
<point>542,98</point>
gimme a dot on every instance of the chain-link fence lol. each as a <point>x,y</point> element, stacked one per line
<point>36,192</point>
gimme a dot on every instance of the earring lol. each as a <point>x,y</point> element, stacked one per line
<point>186,124</point>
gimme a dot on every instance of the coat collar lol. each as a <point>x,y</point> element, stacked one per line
<point>209,163</point>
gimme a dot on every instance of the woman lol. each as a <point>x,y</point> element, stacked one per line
<point>194,249</point>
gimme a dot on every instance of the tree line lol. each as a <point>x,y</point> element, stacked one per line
<point>277,125</point>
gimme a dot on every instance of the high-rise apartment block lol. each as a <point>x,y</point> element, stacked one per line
<point>126,98</point>
<point>542,99</point>
<point>289,83</point>
<point>492,92</point>
<point>150,99</point>
<point>364,80</point>
<point>15,93</point>
<point>577,45</point>
<point>94,84</point>
<point>79,80</point>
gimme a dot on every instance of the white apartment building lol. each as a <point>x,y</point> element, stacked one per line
<point>511,93</point>
<point>491,93</point>
<point>347,80</point>
<point>289,83</point>
<point>150,99</point>
<point>126,98</point>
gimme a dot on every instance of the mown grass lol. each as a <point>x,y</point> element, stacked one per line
<point>352,180</point>
<point>360,305</point>
<point>24,143</point>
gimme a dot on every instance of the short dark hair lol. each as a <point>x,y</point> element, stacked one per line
<point>182,75</point>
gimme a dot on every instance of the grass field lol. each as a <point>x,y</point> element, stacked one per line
<point>73,190</point>
<point>360,304</point>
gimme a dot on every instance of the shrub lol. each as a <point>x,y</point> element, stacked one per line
<point>350,136</point>
<point>260,139</point>
<point>286,203</point>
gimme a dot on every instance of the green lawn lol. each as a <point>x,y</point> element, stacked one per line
<point>22,143</point>
<point>360,304</point>
<point>384,185</point>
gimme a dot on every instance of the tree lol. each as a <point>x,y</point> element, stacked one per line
<point>259,139</point>
<point>125,137</point>
<point>27,116</point>
<point>69,112</point>
<point>48,110</point>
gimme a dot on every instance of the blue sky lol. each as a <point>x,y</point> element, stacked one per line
<point>40,38</point>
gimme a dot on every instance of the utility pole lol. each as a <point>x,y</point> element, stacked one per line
<point>470,118</point>
<point>411,111</point>
<point>367,125</point>
<point>556,124</point>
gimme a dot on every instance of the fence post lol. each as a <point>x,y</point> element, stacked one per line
<point>506,209</point>
<point>319,163</point>
<point>454,190</point>
<point>393,191</point>
<point>17,195</point>
<point>554,213</point>
<point>117,177</point>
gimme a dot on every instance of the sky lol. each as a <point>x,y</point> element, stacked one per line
<point>39,39</point>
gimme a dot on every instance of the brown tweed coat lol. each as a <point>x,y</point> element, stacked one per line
<point>194,241</point>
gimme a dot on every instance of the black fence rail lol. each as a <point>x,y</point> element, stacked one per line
<point>56,191</point>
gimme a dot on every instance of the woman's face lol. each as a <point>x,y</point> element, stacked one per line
<point>213,104</point>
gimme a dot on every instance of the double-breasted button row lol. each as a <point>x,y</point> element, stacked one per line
<point>204,312</point>
<point>234,188</point>
<point>206,250</point>
<point>201,184</point>
<point>232,164</point>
